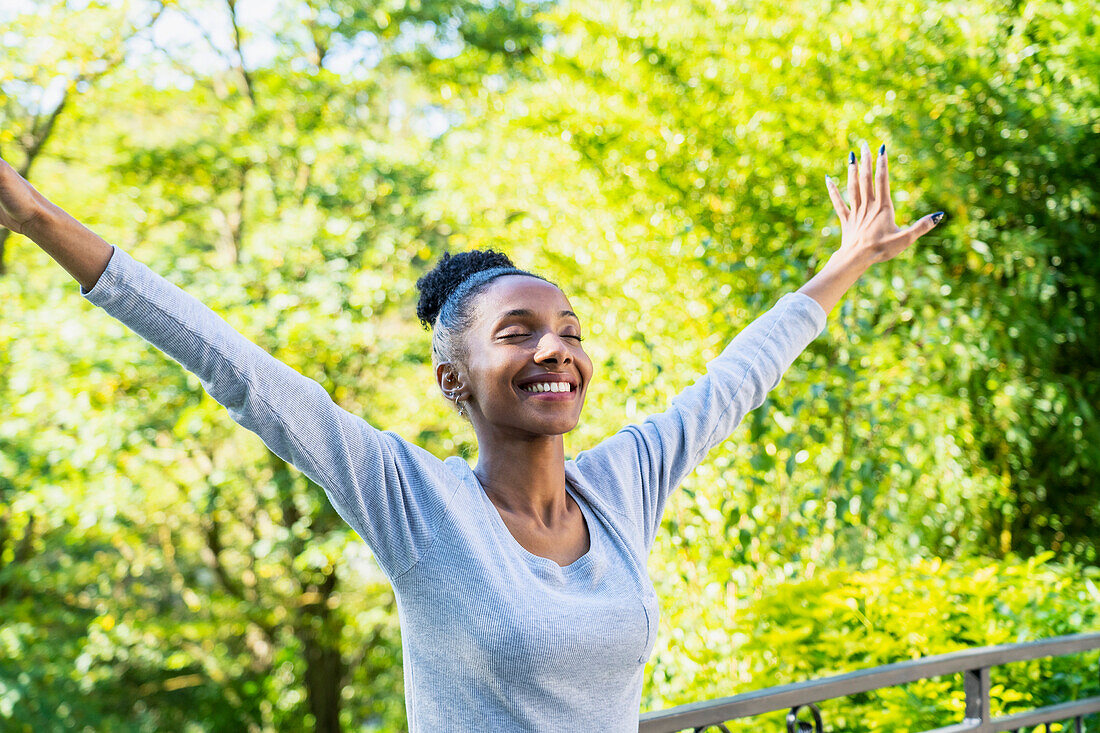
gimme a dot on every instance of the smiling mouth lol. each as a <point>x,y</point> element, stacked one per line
<point>540,387</point>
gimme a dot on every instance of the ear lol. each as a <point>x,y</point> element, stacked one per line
<point>451,382</point>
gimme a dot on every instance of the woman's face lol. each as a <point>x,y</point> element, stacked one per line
<point>525,369</point>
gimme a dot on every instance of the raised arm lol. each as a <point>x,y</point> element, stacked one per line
<point>390,491</point>
<point>642,464</point>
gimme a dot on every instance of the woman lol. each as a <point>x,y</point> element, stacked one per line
<point>522,588</point>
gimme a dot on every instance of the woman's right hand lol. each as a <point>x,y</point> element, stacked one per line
<point>20,203</point>
<point>75,247</point>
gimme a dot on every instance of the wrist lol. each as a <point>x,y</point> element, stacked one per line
<point>851,261</point>
<point>836,276</point>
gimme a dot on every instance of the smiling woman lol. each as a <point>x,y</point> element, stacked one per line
<point>522,588</point>
<point>519,374</point>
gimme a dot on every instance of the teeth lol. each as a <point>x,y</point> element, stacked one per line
<point>549,387</point>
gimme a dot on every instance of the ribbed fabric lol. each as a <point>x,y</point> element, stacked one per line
<point>494,637</point>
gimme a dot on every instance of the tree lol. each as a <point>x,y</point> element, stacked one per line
<point>159,564</point>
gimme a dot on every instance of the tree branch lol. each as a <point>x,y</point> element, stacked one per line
<point>319,38</point>
<point>245,76</point>
<point>40,134</point>
<point>211,530</point>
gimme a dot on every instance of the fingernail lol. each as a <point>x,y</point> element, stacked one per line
<point>828,179</point>
<point>936,218</point>
<point>851,158</point>
<point>882,149</point>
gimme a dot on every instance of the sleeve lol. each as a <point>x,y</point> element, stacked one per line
<point>392,493</point>
<point>641,465</point>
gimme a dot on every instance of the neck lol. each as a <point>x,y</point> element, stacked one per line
<point>525,476</point>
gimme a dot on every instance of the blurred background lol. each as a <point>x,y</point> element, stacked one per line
<point>926,478</point>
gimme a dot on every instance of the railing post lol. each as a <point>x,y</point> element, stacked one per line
<point>976,687</point>
<point>794,725</point>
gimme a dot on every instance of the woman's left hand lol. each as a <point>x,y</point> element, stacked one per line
<point>869,233</point>
<point>868,230</point>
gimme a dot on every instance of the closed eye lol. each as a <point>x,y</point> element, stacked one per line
<point>524,335</point>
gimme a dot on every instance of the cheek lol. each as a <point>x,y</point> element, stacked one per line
<point>587,369</point>
<point>488,377</point>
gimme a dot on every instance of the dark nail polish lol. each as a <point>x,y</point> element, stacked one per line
<point>882,150</point>
<point>936,218</point>
<point>851,158</point>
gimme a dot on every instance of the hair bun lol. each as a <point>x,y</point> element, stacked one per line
<point>448,274</point>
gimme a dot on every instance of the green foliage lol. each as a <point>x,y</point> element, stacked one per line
<point>161,567</point>
<point>831,621</point>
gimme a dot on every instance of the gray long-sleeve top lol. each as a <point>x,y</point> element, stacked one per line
<point>494,637</point>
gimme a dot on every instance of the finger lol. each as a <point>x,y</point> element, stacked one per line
<point>882,179</point>
<point>838,201</point>
<point>853,185</point>
<point>866,192</point>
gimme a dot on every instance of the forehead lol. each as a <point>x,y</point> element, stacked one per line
<point>521,292</point>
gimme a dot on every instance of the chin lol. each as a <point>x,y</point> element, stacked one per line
<point>556,427</point>
<point>569,427</point>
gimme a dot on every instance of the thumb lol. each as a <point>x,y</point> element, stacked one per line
<point>920,227</point>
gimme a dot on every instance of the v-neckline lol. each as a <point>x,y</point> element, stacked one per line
<point>538,560</point>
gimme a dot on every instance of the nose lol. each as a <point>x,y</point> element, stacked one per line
<point>553,349</point>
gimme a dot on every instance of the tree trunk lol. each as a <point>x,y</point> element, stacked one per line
<point>319,633</point>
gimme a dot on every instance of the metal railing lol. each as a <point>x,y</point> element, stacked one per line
<point>800,699</point>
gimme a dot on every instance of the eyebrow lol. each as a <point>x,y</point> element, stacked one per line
<point>526,312</point>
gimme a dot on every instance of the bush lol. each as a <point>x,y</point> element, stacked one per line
<point>839,620</point>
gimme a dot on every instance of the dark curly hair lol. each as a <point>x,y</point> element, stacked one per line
<point>447,291</point>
